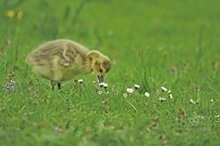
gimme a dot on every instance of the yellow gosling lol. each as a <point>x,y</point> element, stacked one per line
<point>62,59</point>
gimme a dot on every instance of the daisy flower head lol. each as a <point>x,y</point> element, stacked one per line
<point>171,96</point>
<point>101,84</point>
<point>192,101</point>
<point>164,89</point>
<point>136,86</point>
<point>162,99</point>
<point>130,90</point>
<point>105,85</point>
<point>146,94</point>
<point>169,91</point>
<point>80,81</point>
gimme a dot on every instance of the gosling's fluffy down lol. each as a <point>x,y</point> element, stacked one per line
<point>61,60</point>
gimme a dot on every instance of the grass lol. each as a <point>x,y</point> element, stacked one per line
<point>173,44</point>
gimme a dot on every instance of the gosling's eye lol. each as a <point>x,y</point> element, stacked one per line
<point>100,70</point>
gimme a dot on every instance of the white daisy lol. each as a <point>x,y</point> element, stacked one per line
<point>136,86</point>
<point>80,81</point>
<point>171,96</point>
<point>101,84</point>
<point>130,90</point>
<point>169,91</point>
<point>162,99</point>
<point>105,85</point>
<point>164,89</point>
<point>192,101</point>
<point>147,94</point>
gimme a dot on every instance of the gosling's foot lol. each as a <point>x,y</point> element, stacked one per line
<point>59,86</point>
<point>54,83</point>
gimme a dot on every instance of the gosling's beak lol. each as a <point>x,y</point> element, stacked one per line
<point>101,79</point>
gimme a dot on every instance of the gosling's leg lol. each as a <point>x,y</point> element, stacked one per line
<point>59,86</point>
<point>53,84</point>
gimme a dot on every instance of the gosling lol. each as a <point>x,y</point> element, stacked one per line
<point>61,60</point>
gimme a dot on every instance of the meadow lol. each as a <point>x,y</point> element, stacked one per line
<point>152,43</point>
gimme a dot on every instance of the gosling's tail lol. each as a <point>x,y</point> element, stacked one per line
<point>33,60</point>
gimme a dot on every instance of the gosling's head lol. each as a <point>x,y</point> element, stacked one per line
<point>100,64</point>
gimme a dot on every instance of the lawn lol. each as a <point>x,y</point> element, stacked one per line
<point>156,44</point>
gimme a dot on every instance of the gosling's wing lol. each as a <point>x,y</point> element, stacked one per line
<point>63,52</point>
<point>72,54</point>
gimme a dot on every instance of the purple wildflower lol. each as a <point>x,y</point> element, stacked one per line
<point>10,87</point>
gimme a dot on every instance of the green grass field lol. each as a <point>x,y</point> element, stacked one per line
<point>152,43</point>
